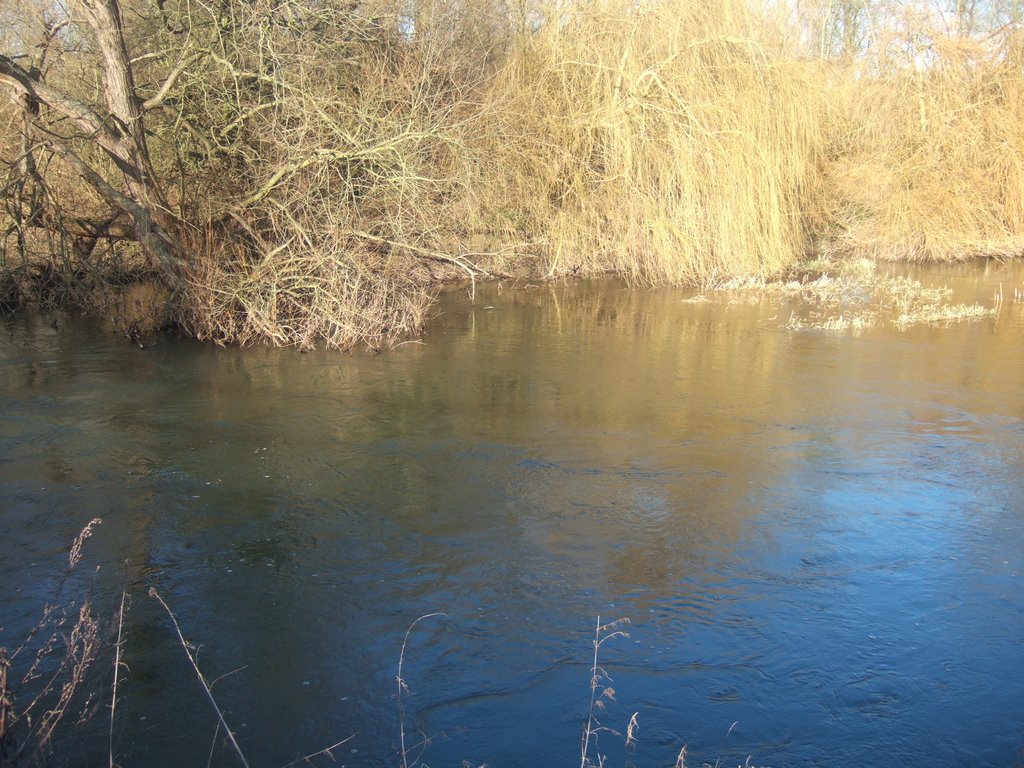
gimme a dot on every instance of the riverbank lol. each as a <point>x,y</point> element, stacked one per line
<point>319,176</point>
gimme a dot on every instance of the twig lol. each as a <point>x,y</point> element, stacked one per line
<point>631,729</point>
<point>202,680</point>
<point>227,674</point>
<point>117,669</point>
<point>324,751</point>
<point>213,745</point>
<point>466,265</point>
<point>5,699</point>
<point>403,687</point>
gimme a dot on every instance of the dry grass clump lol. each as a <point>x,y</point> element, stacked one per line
<point>929,162</point>
<point>943,314</point>
<point>853,322</point>
<point>43,677</point>
<point>670,141</point>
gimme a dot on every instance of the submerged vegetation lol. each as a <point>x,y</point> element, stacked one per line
<point>853,295</point>
<point>304,171</point>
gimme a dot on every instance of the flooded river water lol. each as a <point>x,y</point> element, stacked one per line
<point>817,536</point>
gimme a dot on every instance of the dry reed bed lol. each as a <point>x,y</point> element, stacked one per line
<point>670,141</point>
<point>930,164</point>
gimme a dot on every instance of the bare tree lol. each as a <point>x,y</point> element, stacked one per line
<point>138,206</point>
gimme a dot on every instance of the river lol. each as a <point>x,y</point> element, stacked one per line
<point>817,536</point>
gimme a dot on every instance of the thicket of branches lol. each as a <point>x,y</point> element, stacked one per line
<point>302,171</point>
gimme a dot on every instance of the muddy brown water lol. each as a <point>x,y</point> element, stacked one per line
<point>818,536</point>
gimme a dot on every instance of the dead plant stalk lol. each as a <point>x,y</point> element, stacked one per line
<point>599,692</point>
<point>403,689</point>
<point>202,678</point>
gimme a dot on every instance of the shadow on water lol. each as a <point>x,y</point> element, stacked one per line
<point>817,536</point>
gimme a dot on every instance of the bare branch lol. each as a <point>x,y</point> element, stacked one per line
<point>87,119</point>
<point>157,99</point>
<point>325,751</point>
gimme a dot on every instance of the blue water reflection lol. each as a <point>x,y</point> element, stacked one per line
<point>817,537</point>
